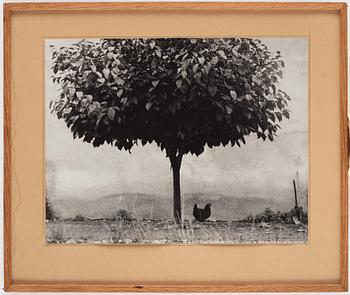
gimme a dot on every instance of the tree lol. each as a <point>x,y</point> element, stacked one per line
<point>182,94</point>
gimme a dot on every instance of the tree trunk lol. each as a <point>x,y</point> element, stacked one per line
<point>176,165</point>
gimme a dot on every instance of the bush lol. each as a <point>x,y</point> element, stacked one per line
<point>122,214</point>
<point>277,217</point>
<point>79,217</point>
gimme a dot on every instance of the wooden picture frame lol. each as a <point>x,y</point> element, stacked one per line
<point>11,9</point>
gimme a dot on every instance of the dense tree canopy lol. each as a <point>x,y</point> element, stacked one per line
<point>180,93</point>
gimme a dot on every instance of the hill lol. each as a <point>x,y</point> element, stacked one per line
<point>144,206</point>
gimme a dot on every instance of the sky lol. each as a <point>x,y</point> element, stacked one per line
<point>76,169</point>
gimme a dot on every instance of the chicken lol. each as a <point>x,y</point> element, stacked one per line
<point>201,214</point>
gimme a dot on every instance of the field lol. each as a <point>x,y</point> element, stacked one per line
<point>105,231</point>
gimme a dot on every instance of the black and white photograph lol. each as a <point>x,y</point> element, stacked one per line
<point>176,140</point>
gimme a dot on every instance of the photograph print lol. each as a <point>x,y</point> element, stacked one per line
<point>176,140</point>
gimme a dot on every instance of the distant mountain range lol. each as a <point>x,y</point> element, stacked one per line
<point>158,207</point>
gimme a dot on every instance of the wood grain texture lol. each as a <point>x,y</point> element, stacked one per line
<point>268,287</point>
<point>339,8</point>
<point>7,149</point>
<point>184,6</point>
<point>344,145</point>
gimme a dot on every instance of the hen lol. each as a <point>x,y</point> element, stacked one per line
<point>201,214</point>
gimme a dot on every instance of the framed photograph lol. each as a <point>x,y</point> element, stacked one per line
<point>175,147</point>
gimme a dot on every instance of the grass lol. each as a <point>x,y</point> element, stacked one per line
<point>106,231</point>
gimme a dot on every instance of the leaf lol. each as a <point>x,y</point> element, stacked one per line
<point>242,70</point>
<point>110,55</point>
<point>183,74</point>
<point>100,116</point>
<point>233,94</point>
<point>106,73</point>
<point>201,60</point>
<point>248,97</point>
<point>198,76</point>
<point>215,60</point>
<point>67,110</point>
<point>248,115</point>
<point>286,114</point>
<point>195,68</point>
<point>79,94</point>
<point>124,100</point>
<point>222,54</point>
<point>256,80</point>
<point>120,92</point>
<point>280,105</point>
<point>212,90</point>
<point>148,105</point>
<point>152,44</point>
<point>111,113</point>
<point>159,53</point>
<point>178,83</point>
<point>273,88</point>
<point>73,119</point>
<point>119,81</point>
<point>279,116</point>
<point>155,83</point>
<point>91,108</point>
<point>228,110</point>
<point>101,80</point>
<point>71,92</point>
